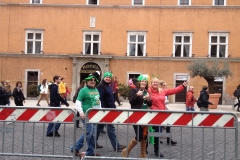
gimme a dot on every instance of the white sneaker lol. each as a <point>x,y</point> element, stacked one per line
<point>8,123</point>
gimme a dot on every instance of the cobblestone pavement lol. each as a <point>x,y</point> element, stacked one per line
<point>193,143</point>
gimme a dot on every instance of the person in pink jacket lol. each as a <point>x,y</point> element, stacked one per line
<point>190,99</point>
<point>157,95</point>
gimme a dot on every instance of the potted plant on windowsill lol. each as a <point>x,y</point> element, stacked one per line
<point>210,69</point>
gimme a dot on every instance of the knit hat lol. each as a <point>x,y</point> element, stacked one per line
<point>143,77</point>
<point>107,74</point>
<point>95,75</point>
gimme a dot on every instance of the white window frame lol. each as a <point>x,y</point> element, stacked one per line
<point>182,34</point>
<point>143,3</point>
<point>218,34</point>
<point>190,2</point>
<point>34,40</point>
<point>99,42</point>
<point>92,4</point>
<point>136,33</point>
<point>36,3</point>
<point>220,5</point>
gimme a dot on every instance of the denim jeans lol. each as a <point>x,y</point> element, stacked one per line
<point>111,134</point>
<point>190,108</point>
<point>90,133</point>
<point>51,127</point>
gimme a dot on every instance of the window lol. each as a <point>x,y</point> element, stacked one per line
<point>219,2</point>
<point>92,43</point>
<point>184,2</point>
<point>137,2</point>
<point>218,44</point>
<point>182,45</point>
<point>94,2</point>
<point>34,41</point>
<point>136,44</point>
<point>36,1</point>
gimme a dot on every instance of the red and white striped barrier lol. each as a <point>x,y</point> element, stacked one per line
<point>162,118</point>
<point>36,114</point>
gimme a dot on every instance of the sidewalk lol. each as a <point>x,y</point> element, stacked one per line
<point>126,105</point>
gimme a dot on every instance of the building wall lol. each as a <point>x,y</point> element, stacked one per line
<point>114,24</point>
<point>121,2</point>
<point>63,27</point>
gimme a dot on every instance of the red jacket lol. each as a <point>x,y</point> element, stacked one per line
<point>190,99</point>
<point>158,98</point>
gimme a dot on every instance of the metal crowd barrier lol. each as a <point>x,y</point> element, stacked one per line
<point>23,132</point>
<point>200,135</point>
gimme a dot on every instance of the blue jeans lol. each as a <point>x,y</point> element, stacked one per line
<point>90,134</point>
<point>190,108</point>
<point>111,134</point>
<point>51,127</point>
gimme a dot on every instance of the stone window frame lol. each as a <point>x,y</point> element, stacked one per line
<point>34,32</point>
<point>87,2</point>
<point>182,34</point>
<point>137,33</point>
<point>37,2</point>
<point>133,3</point>
<point>99,42</point>
<point>218,43</point>
<point>214,4</point>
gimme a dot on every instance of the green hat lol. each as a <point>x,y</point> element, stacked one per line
<point>109,74</point>
<point>95,75</point>
<point>143,77</point>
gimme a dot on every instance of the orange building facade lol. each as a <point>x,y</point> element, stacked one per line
<point>43,38</point>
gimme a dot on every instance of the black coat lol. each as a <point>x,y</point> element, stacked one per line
<point>3,97</point>
<point>137,101</point>
<point>18,95</point>
<point>204,96</point>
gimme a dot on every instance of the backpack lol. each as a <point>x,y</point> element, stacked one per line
<point>39,87</point>
<point>236,93</point>
<point>199,101</point>
<point>76,95</point>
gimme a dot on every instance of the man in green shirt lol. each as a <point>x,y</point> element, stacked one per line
<point>88,97</point>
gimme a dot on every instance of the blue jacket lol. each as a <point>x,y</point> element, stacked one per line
<point>106,95</point>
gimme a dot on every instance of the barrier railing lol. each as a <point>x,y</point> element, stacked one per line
<point>200,135</point>
<point>23,132</point>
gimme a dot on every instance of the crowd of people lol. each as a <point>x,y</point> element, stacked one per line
<point>96,93</point>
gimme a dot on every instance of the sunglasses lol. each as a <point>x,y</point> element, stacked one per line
<point>92,80</point>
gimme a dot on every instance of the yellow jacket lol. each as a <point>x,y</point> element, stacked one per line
<point>62,88</point>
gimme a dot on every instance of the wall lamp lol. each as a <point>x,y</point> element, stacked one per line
<point>193,55</point>
<point>229,56</point>
<point>125,54</point>
<point>22,52</point>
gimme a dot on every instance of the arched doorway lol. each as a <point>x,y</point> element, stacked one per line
<point>88,68</point>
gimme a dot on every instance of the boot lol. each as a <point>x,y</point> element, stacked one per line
<point>143,148</point>
<point>127,150</point>
<point>173,143</point>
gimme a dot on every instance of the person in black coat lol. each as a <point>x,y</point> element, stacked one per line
<point>236,94</point>
<point>19,98</point>
<point>204,96</point>
<point>107,101</point>
<point>3,95</point>
<point>139,99</point>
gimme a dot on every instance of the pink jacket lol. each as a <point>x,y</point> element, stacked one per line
<point>158,98</point>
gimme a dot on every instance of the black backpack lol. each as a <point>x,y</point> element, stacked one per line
<point>199,101</point>
<point>236,93</point>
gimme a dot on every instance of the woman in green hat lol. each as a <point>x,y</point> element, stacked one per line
<point>139,99</point>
